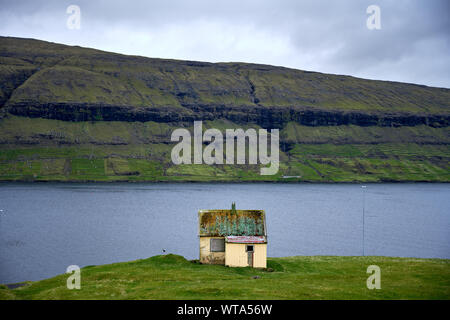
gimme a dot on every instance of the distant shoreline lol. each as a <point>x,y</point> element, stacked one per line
<point>217,182</point>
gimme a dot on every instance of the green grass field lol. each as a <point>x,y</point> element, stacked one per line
<point>316,277</point>
<point>53,150</point>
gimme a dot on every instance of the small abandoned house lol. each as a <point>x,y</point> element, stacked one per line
<point>235,238</point>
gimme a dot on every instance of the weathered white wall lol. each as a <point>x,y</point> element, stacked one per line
<point>260,255</point>
<point>236,256</point>
<point>210,257</point>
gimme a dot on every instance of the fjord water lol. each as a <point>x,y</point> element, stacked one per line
<point>46,227</point>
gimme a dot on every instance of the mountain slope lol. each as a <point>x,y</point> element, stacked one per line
<point>71,113</point>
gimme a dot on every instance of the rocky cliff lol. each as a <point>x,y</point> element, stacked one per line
<point>58,96</point>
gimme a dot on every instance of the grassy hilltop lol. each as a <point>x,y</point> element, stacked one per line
<point>77,114</point>
<point>173,277</point>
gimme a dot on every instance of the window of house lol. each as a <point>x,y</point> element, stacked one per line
<point>249,248</point>
<point>217,245</point>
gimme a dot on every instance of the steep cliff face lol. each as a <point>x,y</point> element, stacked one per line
<point>71,113</point>
<point>273,117</point>
<point>75,84</point>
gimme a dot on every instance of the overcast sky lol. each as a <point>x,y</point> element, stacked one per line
<point>327,36</point>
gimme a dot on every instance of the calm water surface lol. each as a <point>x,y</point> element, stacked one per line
<point>46,227</point>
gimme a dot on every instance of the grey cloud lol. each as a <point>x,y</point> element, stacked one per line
<point>319,35</point>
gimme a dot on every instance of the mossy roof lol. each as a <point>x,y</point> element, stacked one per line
<point>221,223</point>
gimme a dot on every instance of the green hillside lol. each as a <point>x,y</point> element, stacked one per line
<point>318,277</point>
<point>78,114</point>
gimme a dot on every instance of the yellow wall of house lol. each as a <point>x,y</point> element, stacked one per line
<point>237,256</point>
<point>206,256</point>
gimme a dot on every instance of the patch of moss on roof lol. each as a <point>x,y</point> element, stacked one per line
<point>222,223</point>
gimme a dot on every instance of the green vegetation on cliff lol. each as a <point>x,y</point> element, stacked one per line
<point>54,150</point>
<point>318,277</point>
<point>77,114</point>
